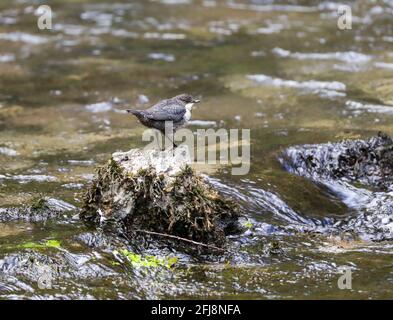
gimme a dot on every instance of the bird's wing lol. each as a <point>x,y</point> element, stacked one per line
<point>166,111</point>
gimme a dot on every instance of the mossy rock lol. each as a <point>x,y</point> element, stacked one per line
<point>361,162</point>
<point>41,209</point>
<point>132,194</point>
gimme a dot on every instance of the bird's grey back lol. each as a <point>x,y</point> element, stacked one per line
<point>167,110</point>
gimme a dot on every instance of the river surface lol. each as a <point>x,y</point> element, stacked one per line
<point>282,69</point>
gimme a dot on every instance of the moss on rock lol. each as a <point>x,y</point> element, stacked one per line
<point>368,162</point>
<point>179,203</point>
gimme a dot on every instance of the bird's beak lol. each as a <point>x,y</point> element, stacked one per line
<point>196,101</point>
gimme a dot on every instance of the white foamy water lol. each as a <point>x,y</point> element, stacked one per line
<point>23,37</point>
<point>8,20</point>
<point>124,33</point>
<point>100,18</point>
<point>383,65</point>
<point>375,108</point>
<point>270,28</point>
<point>223,27</point>
<point>99,107</point>
<point>387,38</point>
<point>7,57</point>
<point>353,197</point>
<point>323,88</point>
<point>203,123</point>
<point>220,30</point>
<point>81,162</point>
<point>349,67</point>
<point>32,178</point>
<point>329,5</point>
<point>209,3</point>
<point>60,204</point>
<point>347,56</point>
<point>73,185</point>
<point>271,7</point>
<point>261,200</point>
<point>69,29</point>
<point>8,152</point>
<point>331,93</point>
<point>86,176</point>
<point>162,56</point>
<point>175,2</point>
<point>78,30</point>
<point>164,36</point>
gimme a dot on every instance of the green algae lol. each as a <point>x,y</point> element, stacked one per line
<point>47,244</point>
<point>148,261</point>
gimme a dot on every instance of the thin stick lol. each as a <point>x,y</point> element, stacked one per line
<point>180,238</point>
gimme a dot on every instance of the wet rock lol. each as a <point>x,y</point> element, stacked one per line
<point>31,265</point>
<point>369,162</point>
<point>360,173</point>
<point>100,240</point>
<point>31,270</point>
<point>40,210</point>
<point>142,193</point>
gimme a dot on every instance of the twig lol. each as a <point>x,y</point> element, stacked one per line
<point>180,238</point>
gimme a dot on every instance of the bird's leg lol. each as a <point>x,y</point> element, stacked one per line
<point>169,133</point>
<point>159,140</point>
<point>173,143</point>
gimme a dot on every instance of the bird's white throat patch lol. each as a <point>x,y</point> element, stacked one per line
<point>189,106</point>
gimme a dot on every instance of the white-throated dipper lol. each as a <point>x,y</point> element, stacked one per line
<point>176,110</point>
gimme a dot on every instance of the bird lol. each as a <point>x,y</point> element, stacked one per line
<point>176,110</point>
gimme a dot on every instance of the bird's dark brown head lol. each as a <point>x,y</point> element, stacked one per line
<point>186,98</point>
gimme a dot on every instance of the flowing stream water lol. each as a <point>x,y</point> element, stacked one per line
<point>282,69</point>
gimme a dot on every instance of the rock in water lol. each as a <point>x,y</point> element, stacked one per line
<point>369,162</point>
<point>41,210</point>
<point>360,173</point>
<point>158,191</point>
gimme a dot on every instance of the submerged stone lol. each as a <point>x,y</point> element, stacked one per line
<point>156,193</point>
